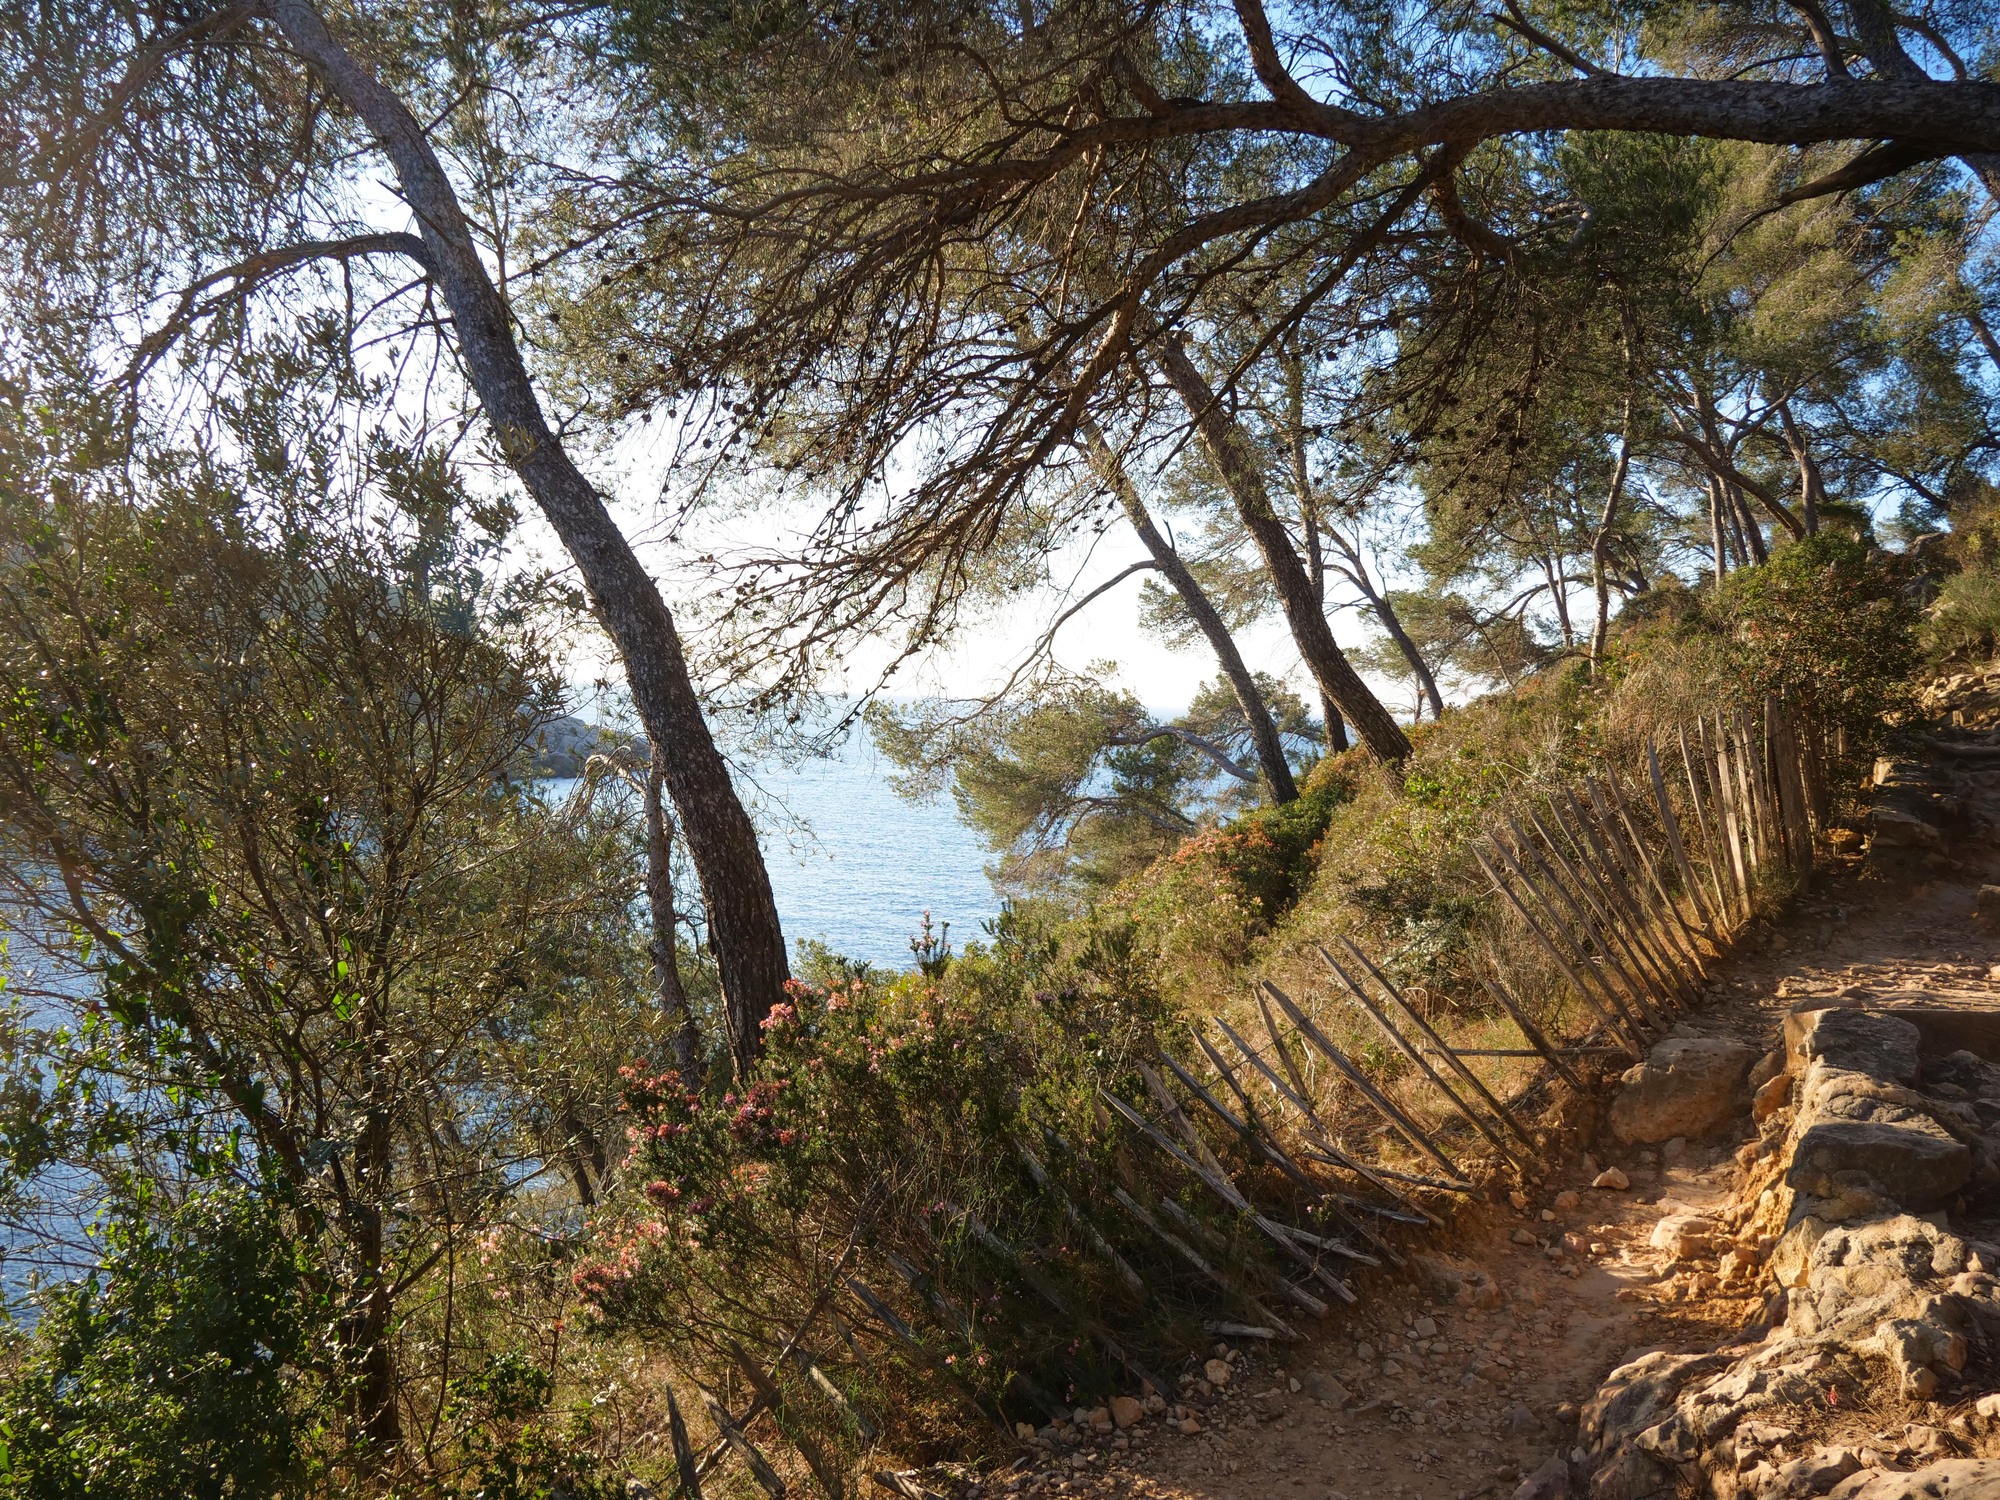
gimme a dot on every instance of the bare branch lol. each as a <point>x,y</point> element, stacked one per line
<point>1199,742</point>
<point>213,26</point>
<point>1516,21</point>
<point>243,279</point>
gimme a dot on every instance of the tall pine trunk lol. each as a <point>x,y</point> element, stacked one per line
<point>1201,609</point>
<point>1229,448</point>
<point>742,916</point>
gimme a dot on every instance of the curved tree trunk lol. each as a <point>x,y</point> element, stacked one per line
<point>1600,541</point>
<point>1229,448</point>
<point>1391,622</point>
<point>1812,488</point>
<point>743,918</point>
<point>1747,527</point>
<point>1336,726</point>
<point>1201,609</point>
<point>685,1039</point>
<point>1716,530</point>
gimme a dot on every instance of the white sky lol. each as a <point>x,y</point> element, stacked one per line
<point>1108,629</point>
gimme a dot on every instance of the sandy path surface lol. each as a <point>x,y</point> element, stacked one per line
<point>1454,1401</point>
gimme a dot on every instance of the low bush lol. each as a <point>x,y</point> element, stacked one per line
<point>899,1145</point>
<point>1828,624</point>
<point>176,1368</point>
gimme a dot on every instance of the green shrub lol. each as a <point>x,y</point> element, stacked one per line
<point>887,1118</point>
<point>172,1369</point>
<point>510,1448</point>
<point>1828,624</point>
<point>1197,908</point>
<point>1964,619</point>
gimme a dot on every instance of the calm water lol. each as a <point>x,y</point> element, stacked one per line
<point>865,866</point>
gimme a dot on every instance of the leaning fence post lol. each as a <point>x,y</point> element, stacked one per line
<point>1384,1105</point>
<point>1440,1046</point>
<point>1402,1044</point>
<point>1675,845</point>
<point>1537,1038</point>
<point>1701,796</point>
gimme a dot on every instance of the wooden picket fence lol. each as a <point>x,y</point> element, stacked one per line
<point>1632,883</point>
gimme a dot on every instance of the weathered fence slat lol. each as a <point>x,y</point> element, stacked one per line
<point>1531,1031</point>
<point>1608,1010</point>
<point>1437,1045</point>
<point>1408,1128</point>
<point>1415,1055</point>
<point>1330,1151</point>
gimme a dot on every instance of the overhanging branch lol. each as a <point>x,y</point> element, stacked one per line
<point>234,283</point>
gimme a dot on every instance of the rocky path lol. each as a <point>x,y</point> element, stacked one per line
<point>1464,1376</point>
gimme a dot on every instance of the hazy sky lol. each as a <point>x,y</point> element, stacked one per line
<point>1108,629</point>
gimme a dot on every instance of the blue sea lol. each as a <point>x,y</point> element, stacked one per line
<point>856,866</point>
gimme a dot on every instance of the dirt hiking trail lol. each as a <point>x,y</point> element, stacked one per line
<point>1463,1374</point>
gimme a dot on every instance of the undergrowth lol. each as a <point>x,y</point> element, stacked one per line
<point>929,1153</point>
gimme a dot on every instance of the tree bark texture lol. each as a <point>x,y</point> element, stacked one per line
<point>1600,540</point>
<point>685,1039</point>
<point>1229,448</point>
<point>743,918</point>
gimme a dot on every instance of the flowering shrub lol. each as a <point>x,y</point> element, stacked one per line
<point>1199,907</point>
<point>881,1143</point>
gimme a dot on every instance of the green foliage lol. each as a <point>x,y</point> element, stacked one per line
<point>183,1365</point>
<point>888,1113</point>
<point>1964,619</point>
<point>1829,625</point>
<point>1079,786</point>
<point>511,1446</point>
<point>1199,907</point>
<point>313,930</point>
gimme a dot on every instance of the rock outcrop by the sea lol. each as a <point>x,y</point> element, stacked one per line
<point>562,747</point>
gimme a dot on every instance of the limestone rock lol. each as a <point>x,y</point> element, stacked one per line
<point>1549,1482</point>
<point>1323,1387</point>
<point>1631,1475</point>
<point>1816,1473</point>
<point>1687,1086</point>
<point>1685,1236</point>
<point>1771,1096</point>
<point>1986,908</point>
<point>1913,1162</point>
<point>1612,1179</point>
<point>1756,1434</point>
<point>1125,1412</point>
<point>1854,1041</point>
<point>1769,1066</point>
<point>1954,1479</point>
<point>1899,828</point>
